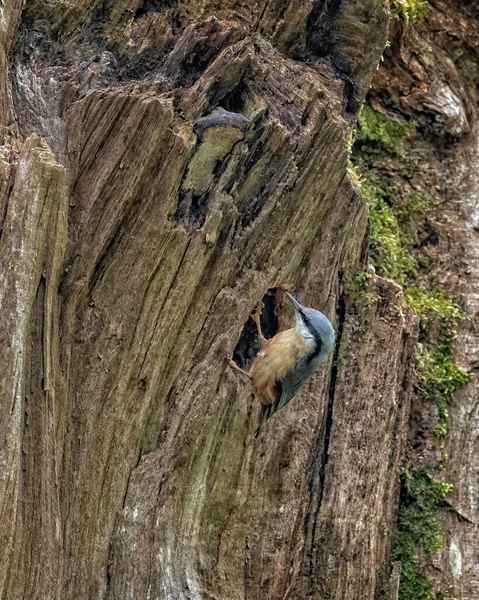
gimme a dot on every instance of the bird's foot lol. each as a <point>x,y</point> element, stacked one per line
<point>256,316</point>
<point>258,309</point>
<point>235,367</point>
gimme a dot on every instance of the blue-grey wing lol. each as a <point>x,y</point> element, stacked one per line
<point>293,380</point>
<point>304,367</point>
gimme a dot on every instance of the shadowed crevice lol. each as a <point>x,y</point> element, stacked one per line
<point>341,312</point>
<point>319,40</point>
<point>321,454</point>
<point>248,344</point>
<point>236,99</point>
<point>157,6</point>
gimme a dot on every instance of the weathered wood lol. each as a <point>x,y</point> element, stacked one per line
<point>129,464</point>
<point>430,75</point>
<point>457,228</point>
<point>32,246</point>
<point>393,588</point>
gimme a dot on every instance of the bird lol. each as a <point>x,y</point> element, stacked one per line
<point>288,359</point>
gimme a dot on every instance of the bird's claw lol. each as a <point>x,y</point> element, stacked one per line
<point>257,310</point>
<point>238,369</point>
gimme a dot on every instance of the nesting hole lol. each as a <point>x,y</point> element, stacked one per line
<point>248,344</point>
<point>235,100</point>
<point>154,6</point>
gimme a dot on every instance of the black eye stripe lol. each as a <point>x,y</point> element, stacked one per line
<point>312,330</point>
<point>306,319</point>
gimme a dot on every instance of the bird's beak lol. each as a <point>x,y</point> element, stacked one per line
<point>294,302</point>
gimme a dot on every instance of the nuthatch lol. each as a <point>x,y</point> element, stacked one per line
<point>288,359</point>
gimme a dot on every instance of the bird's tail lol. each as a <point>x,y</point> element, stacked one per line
<point>265,414</point>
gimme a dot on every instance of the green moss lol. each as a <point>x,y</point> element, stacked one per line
<point>361,284</point>
<point>389,163</point>
<point>413,206</point>
<point>360,288</point>
<point>440,377</point>
<point>354,175</point>
<point>419,531</point>
<point>419,527</point>
<point>409,10</point>
<point>388,246</point>
<point>381,131</point>
<point>427,303</point>
<point>352,170</point>
<point>380,137</point>
<point>350,139</point>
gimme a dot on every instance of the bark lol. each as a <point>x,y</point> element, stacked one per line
<point>430,75</point>
<point>136,238</point>
<point>458,561</point>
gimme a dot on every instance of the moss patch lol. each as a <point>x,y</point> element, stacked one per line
<point>360,288</point>
<point>389,162</point>
<point>216,144</point>
<point>430,304</point>
<point>389,248</point>
<point>439,376</point>
<point>409,10</point>
<point>388,158</point>
<point>381,131</point>
<point>419,531</point>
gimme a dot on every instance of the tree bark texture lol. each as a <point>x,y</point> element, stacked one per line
<point>430,74</point>
<point>138,231</point>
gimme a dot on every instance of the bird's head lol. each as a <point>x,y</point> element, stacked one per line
<point>314,327</point>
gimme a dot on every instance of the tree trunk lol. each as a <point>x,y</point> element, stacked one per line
<point>138,230</point>
<point>429,75</point>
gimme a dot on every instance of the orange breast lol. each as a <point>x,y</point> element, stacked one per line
<point>277,357</point>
